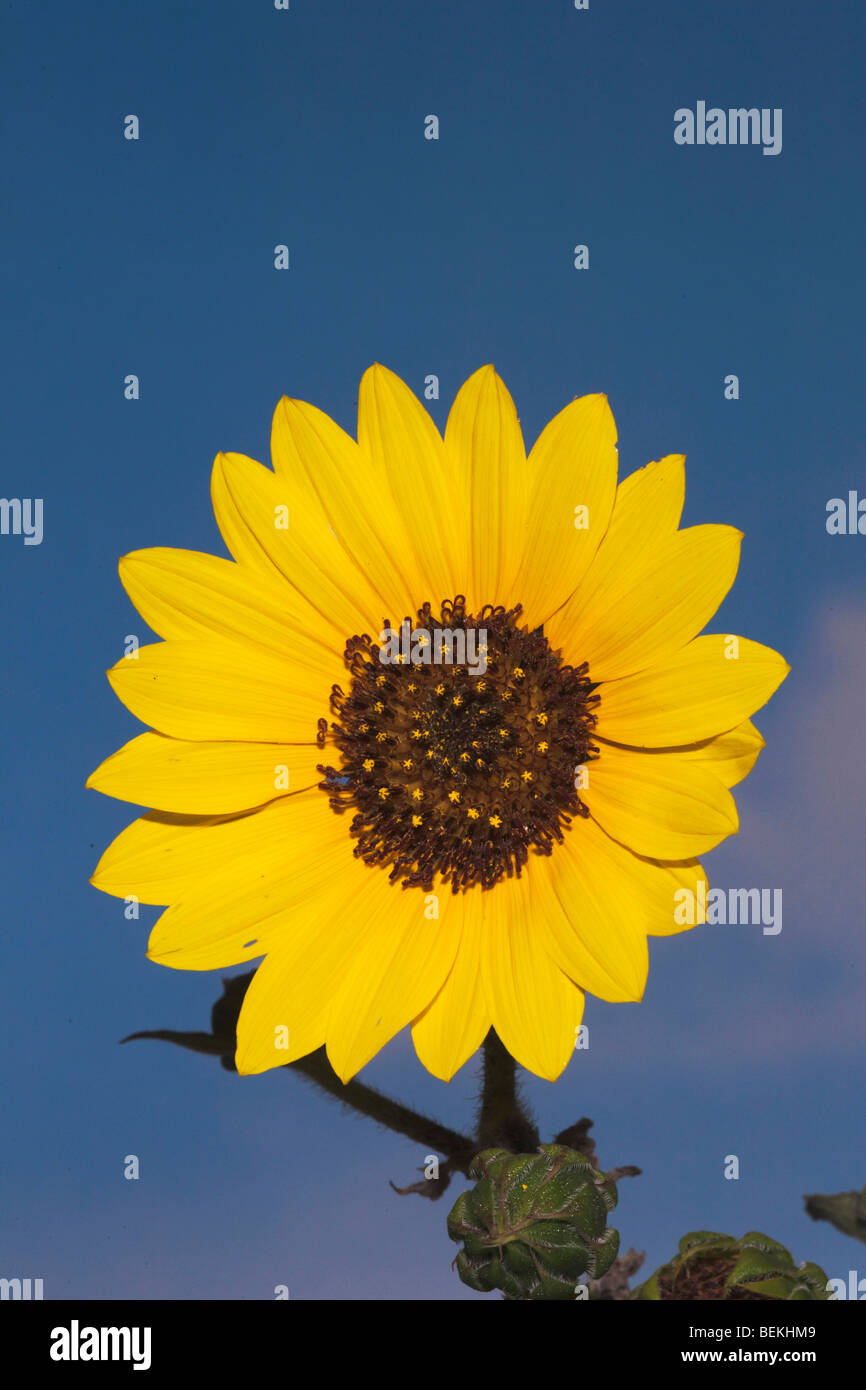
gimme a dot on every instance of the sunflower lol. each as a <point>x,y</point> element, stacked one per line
<point>451,844</point>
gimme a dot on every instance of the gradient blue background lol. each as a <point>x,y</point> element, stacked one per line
<point>156,258</point>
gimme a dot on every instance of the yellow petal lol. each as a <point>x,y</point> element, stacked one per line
<point>485,444</point>
<point>613,899</point>
<point>536,1009</point>
<point>588,915</point>
<point>431,495</point>
<point>660,887</point>
<point>228,921</point>
<point>649,504</point>
<point>251,506</point>
<point>572,466</point>
<point>452,1028</point>
<point>161,857</point>
<point>209,689</point>
<point>354,493</point>
<point>730,756</point>
<point>204,779</point>
<point>287,1006</point>
<point>646,511</point>
<point>649,610</point>
<point>248,500</point>
<point>707,687</point>
<point>285,1010</point>
<point>400,959</point>
<point>661,805</point>
<point>185,594</point>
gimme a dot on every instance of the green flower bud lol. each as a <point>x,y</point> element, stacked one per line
<point>534,1223</point>
<point>717,1267</point>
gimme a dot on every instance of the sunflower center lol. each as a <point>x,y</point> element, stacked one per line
<point>462,743</point>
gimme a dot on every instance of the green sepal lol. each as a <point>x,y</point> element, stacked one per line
<point>762,1267</point>
<point>533,1224</point>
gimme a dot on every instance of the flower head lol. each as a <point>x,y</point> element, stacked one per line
<point>403,842</point>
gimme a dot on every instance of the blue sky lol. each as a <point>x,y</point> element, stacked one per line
<point>155,257</point>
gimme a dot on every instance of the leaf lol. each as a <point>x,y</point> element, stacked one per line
<point>846,1211</point>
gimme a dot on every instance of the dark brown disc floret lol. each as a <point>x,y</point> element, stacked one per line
<point>463,743</point>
